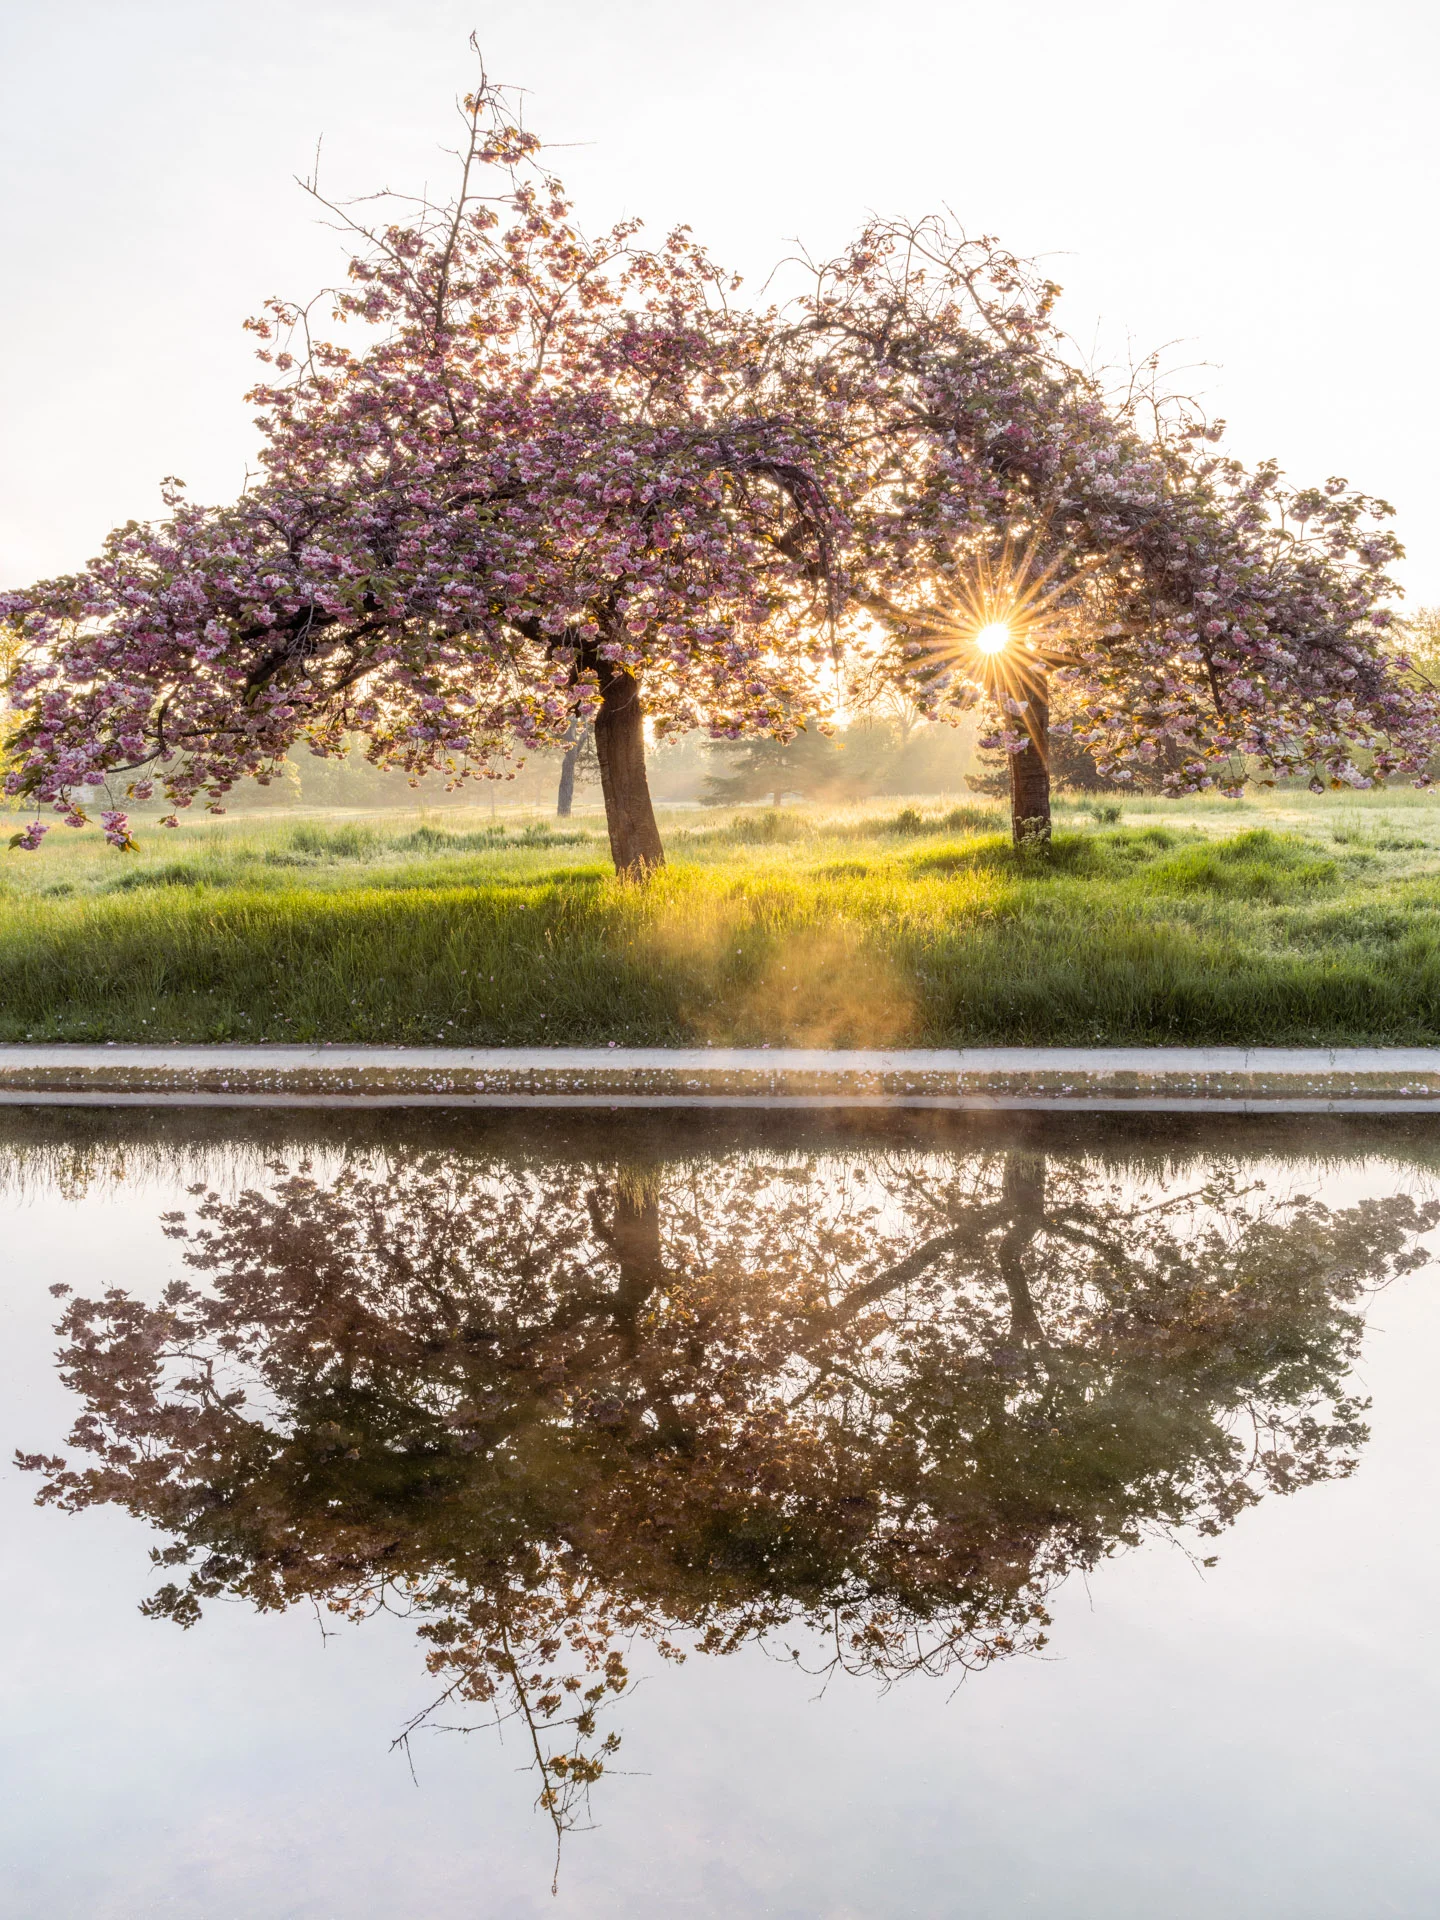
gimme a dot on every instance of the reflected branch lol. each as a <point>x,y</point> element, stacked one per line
<point>551,1410</point>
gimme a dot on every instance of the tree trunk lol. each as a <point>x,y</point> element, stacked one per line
<point>1022,1195</point>
<point>565,798</point>
<point>635,1235</point>
<point>620,748</point>
<point>1030,768</point>
<point>635,1238</point>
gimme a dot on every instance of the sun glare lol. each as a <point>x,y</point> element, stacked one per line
<point>994,638</point>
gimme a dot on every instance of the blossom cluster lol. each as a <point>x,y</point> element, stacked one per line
<point>539,468</point>
<point>1205,621</point>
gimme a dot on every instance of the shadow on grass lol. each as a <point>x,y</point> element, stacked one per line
<point>1069,855</point>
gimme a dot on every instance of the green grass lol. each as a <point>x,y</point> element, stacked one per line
<point>1278,919</point>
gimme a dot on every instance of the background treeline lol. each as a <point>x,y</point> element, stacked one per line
<point>873,757</point>
<point>877,755</point>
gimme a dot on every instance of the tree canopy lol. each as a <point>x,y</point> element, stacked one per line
<point>1199,618</point>
<point>538,479</point>
<point>529,478</point>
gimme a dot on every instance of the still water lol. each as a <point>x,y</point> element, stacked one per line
<point>790,1521</point>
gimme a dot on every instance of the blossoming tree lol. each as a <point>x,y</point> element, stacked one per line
<point>560,480</point>
<point>1023,534</point>
<point>536,490</point>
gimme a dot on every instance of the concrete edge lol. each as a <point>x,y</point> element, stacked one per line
<point>616,1102</point>
<point>1358,1080</point>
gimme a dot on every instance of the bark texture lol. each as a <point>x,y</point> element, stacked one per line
<point>620,748</point>
<point>1030,768</point>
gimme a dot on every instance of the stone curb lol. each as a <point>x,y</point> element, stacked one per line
<point>1060,1079</point>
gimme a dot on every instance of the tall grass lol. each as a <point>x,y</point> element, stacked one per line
<point>909,927</point>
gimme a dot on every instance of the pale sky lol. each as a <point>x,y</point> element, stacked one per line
<point>1253,179</point>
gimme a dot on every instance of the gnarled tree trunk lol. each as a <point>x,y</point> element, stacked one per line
<point>1030,768</point>
<point>620,749</point>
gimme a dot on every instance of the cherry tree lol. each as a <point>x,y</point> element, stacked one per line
<point>535,491</point>
<point>1021,533</point>
<point>556,480</point>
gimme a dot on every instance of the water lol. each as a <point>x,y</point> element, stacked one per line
<point>1045,1517</point>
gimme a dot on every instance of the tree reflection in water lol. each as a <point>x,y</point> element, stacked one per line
<point>547,1408</point>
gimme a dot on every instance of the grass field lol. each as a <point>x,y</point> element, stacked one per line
<point>1279,919</point>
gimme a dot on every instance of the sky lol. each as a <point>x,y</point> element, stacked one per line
<point>1249,182</point>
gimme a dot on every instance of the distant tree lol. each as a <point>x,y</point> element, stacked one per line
<point>807,764</point>
<point>579,744</point>
<point>548,1408</point>
<point>871,756</point>
<point>1417,639</point>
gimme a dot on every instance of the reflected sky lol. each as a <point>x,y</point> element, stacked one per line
<point>423,1427</point>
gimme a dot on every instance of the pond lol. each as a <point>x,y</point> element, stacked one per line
<point>666,1516</point>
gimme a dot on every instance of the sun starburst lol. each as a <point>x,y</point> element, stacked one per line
<point>1000,619</point>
